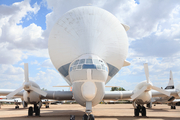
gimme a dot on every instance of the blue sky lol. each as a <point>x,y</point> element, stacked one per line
<point>154,37</point>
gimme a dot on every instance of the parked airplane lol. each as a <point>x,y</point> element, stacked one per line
<point>88,46</point>
<point>170,100</point>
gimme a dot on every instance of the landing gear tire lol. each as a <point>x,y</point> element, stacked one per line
<point>143,112</point>
<point>47,106</point>
<point>173,107</point>
<point>30,111</point>
<point>91,117</point>
<point>16,107</point>
<point>37,113</point>
<point>85,117</point>
<point>136,112</point>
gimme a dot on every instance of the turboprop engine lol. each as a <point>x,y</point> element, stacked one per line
<point>32,92</point>
<point>142,93</point>
<point>31,96</point>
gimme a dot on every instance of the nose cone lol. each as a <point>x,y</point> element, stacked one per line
<point>88,90</point>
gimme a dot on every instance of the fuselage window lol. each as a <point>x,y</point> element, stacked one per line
<point>82,61</point>
<point>74,67</point>
<point>89,61</point>
<point>79,67</point>
<point>103,67</point>
<point>89,66</point>
<point>95,61</point>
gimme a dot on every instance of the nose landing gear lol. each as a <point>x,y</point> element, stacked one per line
<point>88,115</point>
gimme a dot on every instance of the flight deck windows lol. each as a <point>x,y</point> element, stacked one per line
<point>89,61</point>
<point>76,62</point>
<point>82,61</point>
<point>88,64</point>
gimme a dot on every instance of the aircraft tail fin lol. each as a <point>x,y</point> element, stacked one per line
<point>171,82</point>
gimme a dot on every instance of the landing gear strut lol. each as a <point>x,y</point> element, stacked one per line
<point>140,109</point>
<point>88,115</point>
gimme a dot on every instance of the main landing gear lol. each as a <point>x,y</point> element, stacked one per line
<point>140,109</point>
<point>88,115</point>
<point>35,110</point>
<point>16,107</point>
<point>173,107</point>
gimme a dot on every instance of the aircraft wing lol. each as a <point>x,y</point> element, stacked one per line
<point>11,100</point>
<point>56,95</point>
<point>4,92</point>
<point>126,95</point>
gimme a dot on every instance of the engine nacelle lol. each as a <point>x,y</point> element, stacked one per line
<point>31,96</point>
<point>145,97</point>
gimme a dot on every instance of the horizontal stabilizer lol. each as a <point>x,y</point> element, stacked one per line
<point>126,63</point>
<point>126,27</point>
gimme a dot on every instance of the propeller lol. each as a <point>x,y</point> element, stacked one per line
<point>148,86</point>
<point>27,85</point>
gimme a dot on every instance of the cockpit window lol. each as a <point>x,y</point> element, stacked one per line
<point>76,62</point>
<point>89,66</point>
<point>82,61</point>
<point>89,61</point>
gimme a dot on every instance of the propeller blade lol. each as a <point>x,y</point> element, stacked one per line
<point>10,95</point>
<point>26,72</point>
<point>146,71</point>
<point>179,94</point>
<point>136,94</point>
<point>37,90</point>
<point>161,90</point>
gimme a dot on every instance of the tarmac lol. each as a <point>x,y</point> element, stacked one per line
<point>101,112</point>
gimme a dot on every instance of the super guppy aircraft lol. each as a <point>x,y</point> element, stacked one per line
<point>88,46</point>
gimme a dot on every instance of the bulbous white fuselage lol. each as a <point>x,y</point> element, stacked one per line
<point>88,46</point>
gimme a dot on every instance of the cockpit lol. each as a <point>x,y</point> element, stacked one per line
<point>88,64</point>
<point>88,67</point>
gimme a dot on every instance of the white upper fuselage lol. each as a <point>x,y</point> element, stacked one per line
<point>88,46</point>
<point>88,30</point>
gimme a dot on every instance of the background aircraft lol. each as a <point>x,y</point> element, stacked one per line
<point>88,46</point>
<point>170,100</point>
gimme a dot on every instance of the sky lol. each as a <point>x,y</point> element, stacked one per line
<point>154,38</point>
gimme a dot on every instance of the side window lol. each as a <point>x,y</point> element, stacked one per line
<point>98,67</point>
<point>79,67</point>
<point>103,67</point>
<point>74,67</point>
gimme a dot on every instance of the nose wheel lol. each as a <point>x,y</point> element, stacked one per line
<point>88,117</point>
